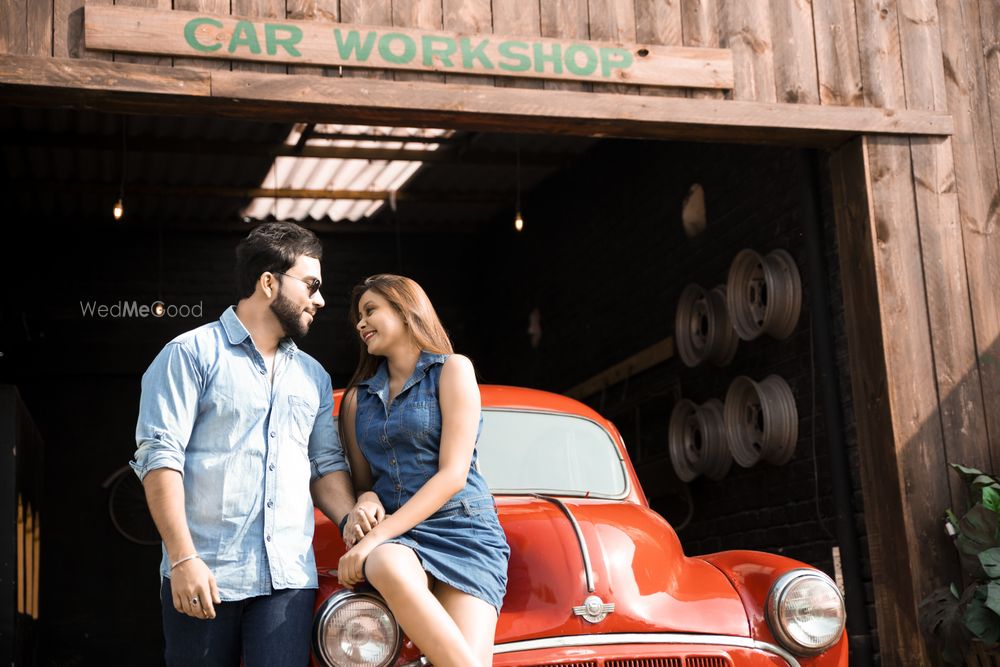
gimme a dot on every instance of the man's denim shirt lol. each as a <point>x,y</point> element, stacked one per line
<point>247,450</point>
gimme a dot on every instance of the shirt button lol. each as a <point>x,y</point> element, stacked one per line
<point>398,487</point>
<point>274,434</point>
<point>262,371</point>
<point>270,503</point>
<point>270,467</point>
<point>268,538</point>
<point>392,461</point>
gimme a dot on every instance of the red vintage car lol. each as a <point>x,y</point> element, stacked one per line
<point>596,578</point>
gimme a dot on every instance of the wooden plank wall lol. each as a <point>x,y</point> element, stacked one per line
<point>926,236</point>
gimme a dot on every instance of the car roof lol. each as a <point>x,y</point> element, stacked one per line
<point>522,398</point>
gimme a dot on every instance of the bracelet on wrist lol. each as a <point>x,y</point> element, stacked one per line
<point>184,560</point>
<point>343,523</point>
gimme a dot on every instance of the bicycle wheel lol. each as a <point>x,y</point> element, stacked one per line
<point>129,511</point>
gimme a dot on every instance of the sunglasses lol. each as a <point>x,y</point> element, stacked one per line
<point>312,284</point>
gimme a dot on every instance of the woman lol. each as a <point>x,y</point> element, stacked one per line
<point>409,422</point>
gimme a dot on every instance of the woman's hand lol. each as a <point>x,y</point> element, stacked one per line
<point>365,515</point>
<point>350,569</point>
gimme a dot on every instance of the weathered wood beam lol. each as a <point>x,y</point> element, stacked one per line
<point>488,198</point>
<point>256,96</point>
<point>266,150</point>
<point>637,363</point>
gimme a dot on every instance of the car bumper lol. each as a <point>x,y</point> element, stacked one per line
<point>644,650</point>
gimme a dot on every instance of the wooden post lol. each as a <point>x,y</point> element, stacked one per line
<point>963,421</point>
<point>897,442</point>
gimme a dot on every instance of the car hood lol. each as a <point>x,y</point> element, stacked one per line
<point>637,563</point>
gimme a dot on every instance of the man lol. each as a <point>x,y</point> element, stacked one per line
<point>235,425</point>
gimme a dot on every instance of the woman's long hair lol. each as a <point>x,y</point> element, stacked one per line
<point>411,302</point>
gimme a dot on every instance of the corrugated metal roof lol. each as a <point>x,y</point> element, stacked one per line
<point>69,164</point>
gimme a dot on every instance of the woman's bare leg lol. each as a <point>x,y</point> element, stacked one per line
<point>395,571</point>
<point>475,618</point>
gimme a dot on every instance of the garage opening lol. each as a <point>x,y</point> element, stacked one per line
<point>556,262</point>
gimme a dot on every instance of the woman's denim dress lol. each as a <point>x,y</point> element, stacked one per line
<point>462,544</point>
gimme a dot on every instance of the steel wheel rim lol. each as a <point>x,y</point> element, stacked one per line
<point>698,441</point>
<point>764,294</point>
<point>702,328</point>
<point>761,420</point>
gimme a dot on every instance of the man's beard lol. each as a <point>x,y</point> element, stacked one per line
<point>289,317</point>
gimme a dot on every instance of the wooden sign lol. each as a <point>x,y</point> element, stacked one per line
<point>194,34</point>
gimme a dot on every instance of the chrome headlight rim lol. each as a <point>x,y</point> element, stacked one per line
<point>334,603</point>
<point>775,598</point>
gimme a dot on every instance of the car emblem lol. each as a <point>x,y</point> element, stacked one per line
<point>593,609</point>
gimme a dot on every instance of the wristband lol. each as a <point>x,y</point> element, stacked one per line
<point>343,523</point>
<point>186,558</point>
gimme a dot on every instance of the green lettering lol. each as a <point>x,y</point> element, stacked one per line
<point>470,54</point>
<point>273,42</point>
<point>385,48</point>
<point>554,57</point>
<point>589,55</point>
<point>521,61</point>
<point>445,50</point>
<point>191,34</point>
<point>353,44</point>
<point>245,35</point>
<point>614,58</point>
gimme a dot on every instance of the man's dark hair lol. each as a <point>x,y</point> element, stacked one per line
<point>274,247</point>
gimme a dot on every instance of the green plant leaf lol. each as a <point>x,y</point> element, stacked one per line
<point>981,621</point>
<point>993,597</point>
<point>942,617</point>
<point>978,531</point>
<point>990,560</point>
<point>991,498</point>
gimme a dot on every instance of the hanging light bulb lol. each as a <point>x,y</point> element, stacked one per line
<point>518,220</point>
<point>119,210</point>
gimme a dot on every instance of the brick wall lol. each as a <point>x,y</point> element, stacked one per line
<point>604,258</point>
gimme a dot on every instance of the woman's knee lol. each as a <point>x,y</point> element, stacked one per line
<point>391,566</point>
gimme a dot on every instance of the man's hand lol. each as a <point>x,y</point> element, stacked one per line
<point>365,515</point>
<point>194,590</point>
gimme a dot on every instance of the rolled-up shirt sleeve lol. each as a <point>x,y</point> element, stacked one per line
<point>171,390</point>
<point>326,454</point>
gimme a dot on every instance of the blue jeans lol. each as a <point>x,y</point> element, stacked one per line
<point>265,631</point>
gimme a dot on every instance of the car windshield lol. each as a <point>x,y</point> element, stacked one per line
<point>542,452</point>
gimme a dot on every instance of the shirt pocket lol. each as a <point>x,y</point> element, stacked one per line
<point>419,417</point>
<point>303,417</point>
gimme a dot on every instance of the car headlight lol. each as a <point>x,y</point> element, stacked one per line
<point>356,629</point>
<point>805,611</point>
